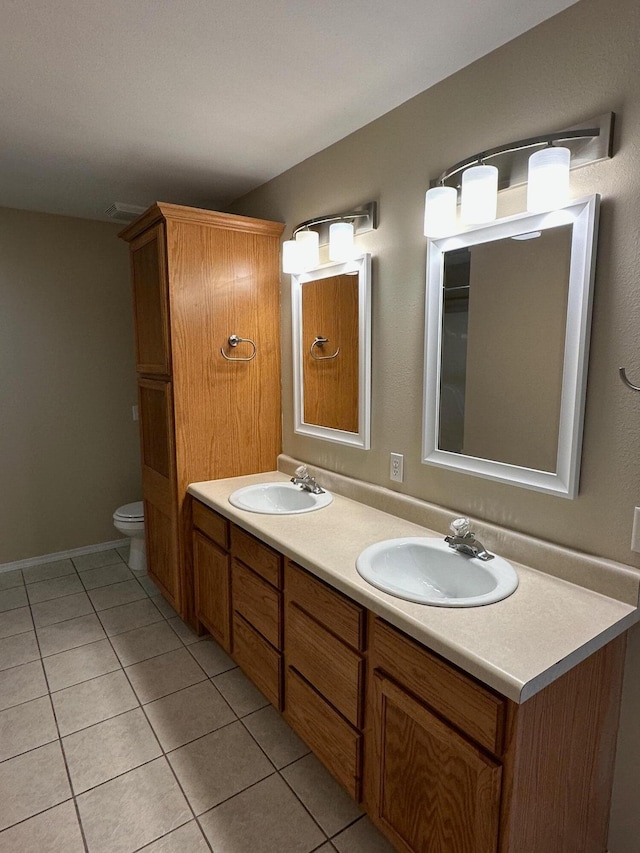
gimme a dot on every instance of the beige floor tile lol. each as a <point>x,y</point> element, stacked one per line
<point>148,585</point>
<point>61,609</point>
<point>15,622</point>
<point>362,837</point>
<point>239,692</point>
<point>85,562</point>
<point>93,701</point>
<point>21,648</point>
<point>106,575</point>
<point>164,674</point>
<point>70,634</point>
<point>46,571</point>
<point>81,664</point>
<point>211,657</point>
<point>133,810</point>
<point>184,631</point>
<point>187,839</point>
<point>32,783</point>
<point>108,749</point>
<point>21,684</point>
<point>11,579</point>
<point>116,594</point>
<point>55,831</point>
<point>265,818</point>
<point>184,716</point>
<point>54,588</point>
<point>332,807</point>
<point>126,617</point>
<point>275,736</point>
<point>25,727</point>
<point>164,607</point>
<point>147,642</point>
<point>124,551</point>
<point>10,599</point>
<point>326,848</point>
<point>219,765</point>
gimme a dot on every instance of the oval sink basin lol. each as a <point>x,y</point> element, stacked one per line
<point>427,571</point>
<point>278,499</point>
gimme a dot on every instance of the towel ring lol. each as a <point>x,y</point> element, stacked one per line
<point>233,341</point>
<point>320,342</point>
<point>623,376</point>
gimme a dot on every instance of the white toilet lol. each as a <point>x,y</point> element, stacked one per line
<point>129,519</point>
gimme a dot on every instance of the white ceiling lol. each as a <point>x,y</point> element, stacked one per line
<point>199,101</point>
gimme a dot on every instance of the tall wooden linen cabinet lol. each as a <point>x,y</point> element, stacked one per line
<point>201,278</point>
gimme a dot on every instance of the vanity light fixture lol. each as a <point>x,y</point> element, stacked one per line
<point>546,172</point>
<point>301,253</point>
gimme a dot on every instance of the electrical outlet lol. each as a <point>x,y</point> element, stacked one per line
<point>635,533</point>
<point>396,467</point>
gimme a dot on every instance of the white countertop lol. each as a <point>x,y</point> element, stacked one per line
<point>516,646</point>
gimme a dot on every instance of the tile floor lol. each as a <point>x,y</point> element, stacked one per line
<point>122,731</point>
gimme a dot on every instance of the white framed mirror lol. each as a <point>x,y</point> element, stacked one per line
<point>331,316</point>
<point>508,320</point>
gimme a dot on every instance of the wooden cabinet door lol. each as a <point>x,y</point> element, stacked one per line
<point>212,588</point>
<point>150,302</point>
<point>428,788</point>
<point>162,551</point>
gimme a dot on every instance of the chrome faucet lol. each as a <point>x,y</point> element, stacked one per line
<point>464,540</point>
<point>303,479</point>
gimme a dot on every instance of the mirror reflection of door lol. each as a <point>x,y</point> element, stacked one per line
<point>330,310</point>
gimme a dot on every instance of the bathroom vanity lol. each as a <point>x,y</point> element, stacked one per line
<point>479,730</point>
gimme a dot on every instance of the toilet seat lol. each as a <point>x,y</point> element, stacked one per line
<point>130,512</point>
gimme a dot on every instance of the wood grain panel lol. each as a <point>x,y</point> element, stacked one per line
<point>149,276</point>
<point>260,661</point>
<point>212,588</point>
<point>560,760</point>
<point>328,606</point>
<point>337,744</point>
<point>471,707</point>
<point>162,552</point>
<point>156,425</point>
<point>212,523</point>
<point>326,662</point>
<point>258,556</point>
<point>258,602</point>
<point>432,790</point>
<point>330,310</point>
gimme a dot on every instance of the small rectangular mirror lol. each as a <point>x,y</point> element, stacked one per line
<point>507,338</point>
<point>331,314</point>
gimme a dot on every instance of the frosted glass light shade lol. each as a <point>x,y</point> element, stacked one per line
<point>548,179</point>
<point>440,211</point>
<point>341,246</point>
<point>479,202</point>
<point>309,244</point>
<point>292,257</point>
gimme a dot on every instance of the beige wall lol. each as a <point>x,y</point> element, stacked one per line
<point>68,444</point>
<point>579,64</point>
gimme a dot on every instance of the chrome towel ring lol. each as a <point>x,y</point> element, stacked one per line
<point>623,375</point>
<point>233,342</point>
<point>320,342</point>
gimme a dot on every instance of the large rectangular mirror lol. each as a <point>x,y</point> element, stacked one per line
<point>507,340</point>
<point>331,313</point>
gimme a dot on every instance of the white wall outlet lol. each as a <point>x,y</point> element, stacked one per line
<point>635,533</point>
<point>134,413</point>
<point>396,467</point>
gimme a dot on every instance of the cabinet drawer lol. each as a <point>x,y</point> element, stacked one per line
<point>258,602</point>
<point>213,525</point>
<point>258,556</point>
<point>329,607</point>
<point>261,662</point>
<point>478,712</point>
<point>332,739</point>
<point>326,662</point>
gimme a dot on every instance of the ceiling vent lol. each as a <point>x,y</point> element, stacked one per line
<point>124,212</point>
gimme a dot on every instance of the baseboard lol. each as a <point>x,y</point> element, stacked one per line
<point>62,555</point>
